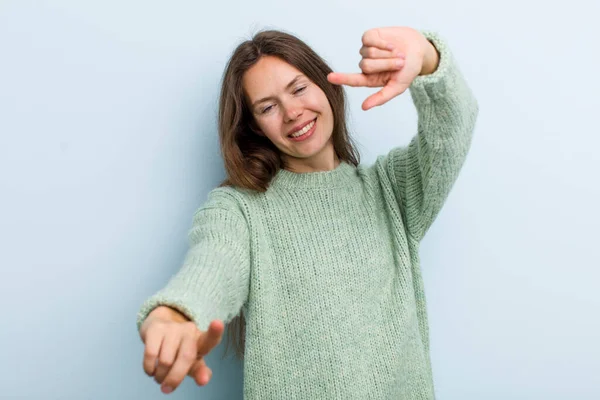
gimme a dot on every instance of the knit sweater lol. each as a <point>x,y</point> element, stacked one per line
<point>325,265</point>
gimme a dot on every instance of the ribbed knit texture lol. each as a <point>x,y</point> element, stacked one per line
<point>326,264</point>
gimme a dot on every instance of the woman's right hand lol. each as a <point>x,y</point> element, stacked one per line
<point>175,347</point>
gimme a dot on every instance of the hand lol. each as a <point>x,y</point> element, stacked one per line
<point>391,57</point>
<point>175,349</point>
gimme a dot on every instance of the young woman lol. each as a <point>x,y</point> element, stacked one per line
<point>316,254</point>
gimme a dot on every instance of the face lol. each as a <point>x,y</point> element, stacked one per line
<point>293,112</point>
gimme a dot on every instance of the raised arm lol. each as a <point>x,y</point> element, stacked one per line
<point>424,172</point>
<point>421,174</point>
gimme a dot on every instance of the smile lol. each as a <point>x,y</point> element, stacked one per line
<point>305,132</point>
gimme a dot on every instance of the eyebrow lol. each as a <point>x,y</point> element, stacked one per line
<point>289,85</point>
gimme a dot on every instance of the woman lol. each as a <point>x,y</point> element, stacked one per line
<point>316,253</point>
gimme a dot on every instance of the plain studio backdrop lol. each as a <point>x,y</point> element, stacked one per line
<point>109,144</point>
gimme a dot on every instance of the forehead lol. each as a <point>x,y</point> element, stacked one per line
<point>267,77</point>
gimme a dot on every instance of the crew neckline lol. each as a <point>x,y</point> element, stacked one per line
<point>339,176</point>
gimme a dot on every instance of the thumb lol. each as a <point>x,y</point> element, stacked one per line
<point>200,372</point>
<point>388,92</point>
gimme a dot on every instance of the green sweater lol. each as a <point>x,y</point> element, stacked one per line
<point>325,265</point>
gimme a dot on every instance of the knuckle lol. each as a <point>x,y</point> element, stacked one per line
<point>367,67</point>
<point>159,378</point>
<point>152,331</point>
<point>190,327</point>
<point>165,362</point>
<point>188,355</point>
<point>173,382</point>
<point>150,353</point>
<point>157,325</point>
<point>147,369</point>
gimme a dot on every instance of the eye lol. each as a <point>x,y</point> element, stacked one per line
<point>266,109</point>
<point>300,89</point>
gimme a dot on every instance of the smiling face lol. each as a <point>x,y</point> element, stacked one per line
<point>292,112</point>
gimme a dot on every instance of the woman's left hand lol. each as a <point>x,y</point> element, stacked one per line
<point>392,58</point>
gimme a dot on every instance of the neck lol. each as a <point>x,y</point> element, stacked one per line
<point>326,161</point>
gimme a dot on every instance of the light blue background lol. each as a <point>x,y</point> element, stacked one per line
<point>108,144</point>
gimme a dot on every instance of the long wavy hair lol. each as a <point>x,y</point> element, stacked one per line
<point>252,160</point>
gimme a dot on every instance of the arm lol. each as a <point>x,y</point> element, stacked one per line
<point>423,173</point>
<point>213,281</point>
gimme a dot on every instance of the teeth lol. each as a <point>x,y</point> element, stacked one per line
<point>303,130</point>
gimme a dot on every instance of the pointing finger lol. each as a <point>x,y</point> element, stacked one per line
<point>209,339</point>
<point>348,79</point>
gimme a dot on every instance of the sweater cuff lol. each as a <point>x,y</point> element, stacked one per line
<point>427,88</point>
<point>178,303</point>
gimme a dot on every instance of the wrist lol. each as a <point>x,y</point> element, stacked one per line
<point>168,313</point>
<point>431,60</point>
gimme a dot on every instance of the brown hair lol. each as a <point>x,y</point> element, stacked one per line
<point>252,160</point>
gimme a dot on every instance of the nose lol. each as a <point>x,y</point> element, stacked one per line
<point>292,112</point>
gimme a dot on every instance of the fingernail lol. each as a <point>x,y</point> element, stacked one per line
<point>400,55</point>
<point>167,389</point>
<point>399,63</point>
<point>390,46</point>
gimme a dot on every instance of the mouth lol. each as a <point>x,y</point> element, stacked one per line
<point>304,133</point>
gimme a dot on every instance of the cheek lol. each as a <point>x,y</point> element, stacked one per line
<point>271,128</point>
<point>319,103</point>
<point>324,105</point>
<point>326,110</point>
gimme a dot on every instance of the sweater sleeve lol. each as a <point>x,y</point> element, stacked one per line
<point>423,173</point>
<point>213,281</point>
